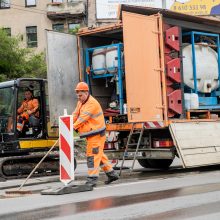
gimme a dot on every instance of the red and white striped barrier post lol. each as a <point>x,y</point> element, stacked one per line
<point>66,142</point>
<point>66,148</point>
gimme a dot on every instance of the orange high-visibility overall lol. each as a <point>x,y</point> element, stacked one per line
<point>31,105</point>
<point>90,123</point>
<point>27,105</point>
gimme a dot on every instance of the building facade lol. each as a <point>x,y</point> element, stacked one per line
<point>30,18</point>
<point>106,11</point>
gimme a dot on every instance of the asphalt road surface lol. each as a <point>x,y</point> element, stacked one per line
<point>175,194</point>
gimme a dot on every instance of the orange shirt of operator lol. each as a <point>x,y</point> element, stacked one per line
<point>29,105</point>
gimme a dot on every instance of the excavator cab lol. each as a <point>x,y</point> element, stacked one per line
<point>11,98</point>
<point>31,126</point>
<point>21,151</point>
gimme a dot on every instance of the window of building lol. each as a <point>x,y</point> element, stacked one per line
<point>30,3</point>
<point>8,31</point>
<point>73,28</point>
<point>31,36</point>
<point>58,27</point>
<point>4,4</point>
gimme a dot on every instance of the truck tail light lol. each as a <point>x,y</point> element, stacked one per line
<point>163,143</point>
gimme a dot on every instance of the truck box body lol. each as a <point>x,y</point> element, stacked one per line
<point>153,67</point>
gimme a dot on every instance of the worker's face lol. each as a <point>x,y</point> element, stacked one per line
<point>82,96</point>
<point>28,95</point>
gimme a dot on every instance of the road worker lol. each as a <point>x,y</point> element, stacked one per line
<point>29,108</point>
<point>90,123</point>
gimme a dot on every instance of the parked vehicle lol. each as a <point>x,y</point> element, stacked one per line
<point>156,75</point>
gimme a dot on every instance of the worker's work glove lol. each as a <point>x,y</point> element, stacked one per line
<point>20,119</point>
<point>29,112</point>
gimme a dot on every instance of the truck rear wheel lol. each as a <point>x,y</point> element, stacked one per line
<point>144,163</point>
<point>156,163</point>
<point>160,163</point>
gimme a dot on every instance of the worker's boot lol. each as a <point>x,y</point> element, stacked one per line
<point>92,181</point>
<point>112,176</point>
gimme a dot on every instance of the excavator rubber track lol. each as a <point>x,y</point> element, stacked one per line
<point>16,167</point>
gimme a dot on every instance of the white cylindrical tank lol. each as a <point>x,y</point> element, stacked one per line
<point>112,59</point>
<point>194,101</point>
<point>191,101</point>
<point>206,68</point>
<point>98,61</point>
<point>125,108</point>
<point>187,98</point>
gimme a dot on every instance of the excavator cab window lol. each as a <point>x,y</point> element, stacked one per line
<point>29,125</point>
<point>7,124</point>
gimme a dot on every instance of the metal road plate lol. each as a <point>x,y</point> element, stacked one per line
<point>198,143</point>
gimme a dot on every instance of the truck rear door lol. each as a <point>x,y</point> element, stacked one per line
<point>142,67</point>
<point>62,74</point>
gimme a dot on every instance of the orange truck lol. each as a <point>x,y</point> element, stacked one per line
<point>156,75</point>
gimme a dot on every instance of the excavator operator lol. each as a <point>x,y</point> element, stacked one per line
<point>90,123</point>
<point>29,108</point>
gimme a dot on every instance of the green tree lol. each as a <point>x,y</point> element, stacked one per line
<point>36,66</point>
<point>16,61</point>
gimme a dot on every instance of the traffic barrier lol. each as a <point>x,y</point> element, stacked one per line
<point>66,149</point>
<point>66,142</point>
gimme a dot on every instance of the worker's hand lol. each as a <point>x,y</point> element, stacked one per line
<point>29,112</point>
<point>20,119</point>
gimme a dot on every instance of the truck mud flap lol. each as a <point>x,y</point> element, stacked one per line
<point>197,143</point>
